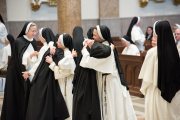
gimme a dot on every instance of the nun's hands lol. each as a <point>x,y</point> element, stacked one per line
<point>35,53</point>
<point>112,46</point>
<point>90,43</point>
<point>74,53</point>
<point>85,46</point>
<point>52,50</point>
<point>25,75</point>
<point>49,59</point>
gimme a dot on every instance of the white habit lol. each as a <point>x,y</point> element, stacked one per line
<point>5,52</point>
<point>114,98</point>
<point>130,50</point>
<point>138,37</point>
<point>3,34</point>
<point>156,108</point>
<point>33,68</point>
<point>64,73</point>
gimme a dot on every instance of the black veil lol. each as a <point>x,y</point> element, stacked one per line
<point>133,22</point>
<point>168,61</point>
<point>2,19</point>
<point>104,30</point>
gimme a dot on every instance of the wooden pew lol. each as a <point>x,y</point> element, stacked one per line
<point>147,45</point>
<point>131,66</point>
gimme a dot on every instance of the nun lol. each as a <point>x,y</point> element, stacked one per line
<point>45,100</point>
<point>6,51</point>
<point>78,39</point>
<point>3,34</point>
<point>86,104</point>
<point>136,34</point>
<point>161,76</point>
<point>115,100</point>
<point>16,93</point>
<point>64,69</point>
<point>130,47</point>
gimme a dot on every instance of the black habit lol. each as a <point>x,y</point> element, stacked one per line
<point>17,90</point>
<point>86,104</point>
<point>46,101</point>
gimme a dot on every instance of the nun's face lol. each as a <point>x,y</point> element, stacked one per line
<point>126,44</point>
<point>96,36</point>
<point>32,32</point>
<point>41,38</point>
<point>59,44</point>
<point>154,42</point>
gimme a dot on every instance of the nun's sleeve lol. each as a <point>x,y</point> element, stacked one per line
<point>65,68</point>
<point>149,71</point>
<point>51,43</point>
<point>26,60</point>
<point>104,65</point>
<point>138,37</point>
<point>84,43</point>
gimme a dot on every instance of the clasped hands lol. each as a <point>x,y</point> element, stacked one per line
<point>91,42</point>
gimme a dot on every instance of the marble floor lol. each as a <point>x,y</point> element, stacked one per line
<point>138,104</point>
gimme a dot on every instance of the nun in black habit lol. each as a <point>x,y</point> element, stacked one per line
<point>115,100</point>
<point>45,101</point>
<point>86,104</point>
<point>64,69</point>
<point>16,93</point>
<point>161,76</point>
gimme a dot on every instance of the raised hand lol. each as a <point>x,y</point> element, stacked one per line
<point>52,50</point>
<point>35,53</point>
<point>90,43</point>
<point>74,53</point>
<point>49,59</point>
<point>25,75</point>
<point>112,46</point>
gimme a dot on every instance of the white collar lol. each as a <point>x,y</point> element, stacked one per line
<point>28,38</point>
<point>105,43</point>
<point>65,49</point>
<point>45,44</point>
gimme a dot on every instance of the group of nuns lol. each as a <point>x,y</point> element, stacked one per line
<point>82,79</point>
<point>68,79</point>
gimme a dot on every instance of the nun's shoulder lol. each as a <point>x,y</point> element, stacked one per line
<point>19,39</point>
<point>152,51</point>
<point>134,46</point>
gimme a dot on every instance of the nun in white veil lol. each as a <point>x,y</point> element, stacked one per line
<point>3,34</point>
<point>136,34</point>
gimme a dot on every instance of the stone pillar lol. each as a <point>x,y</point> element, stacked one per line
<point>69,15</point>
<point>3,9</point>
